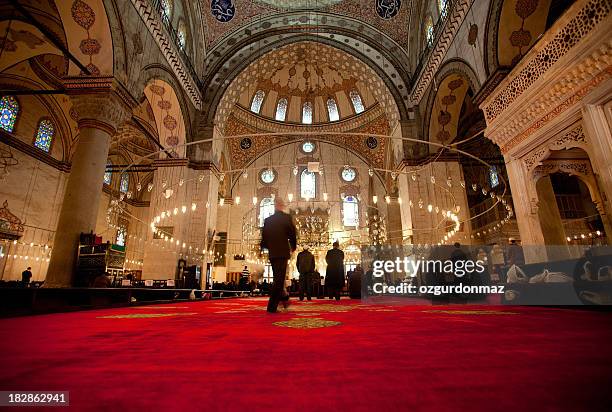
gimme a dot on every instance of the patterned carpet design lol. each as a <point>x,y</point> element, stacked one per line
<point>231,355</point>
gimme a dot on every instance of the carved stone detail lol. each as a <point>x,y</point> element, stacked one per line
<point>101,111</point>
<point>593,13</point>
<point>573,138</point>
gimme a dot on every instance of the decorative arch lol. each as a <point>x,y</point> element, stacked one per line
<point>247,79</point>
<point>168,116</point>
<point>159,73</point>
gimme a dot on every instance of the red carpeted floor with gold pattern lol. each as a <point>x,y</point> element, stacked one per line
<point>325,355</point>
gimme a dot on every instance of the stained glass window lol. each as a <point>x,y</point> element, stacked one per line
<point>357,102</point>
<point>108,177</point>
<point>493,177</point>
<point>443,7</point>
<point>429,31</point>
<point>124,184</point>
<point>266,208</point>
<point>257,101</point>
<point>332,109</point>
<point>307,113</point>
<point>121,235</point>
<point>44,135</point>
<point>9,109</point>
<point>308,184</point>
<point>350,211</point>
<point>166,9</point>
<point>281,110</point>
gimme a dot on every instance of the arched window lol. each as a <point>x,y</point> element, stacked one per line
<point>166,9</point>
<point>332,109</point>
<point>443,8</point>
<point>308,184</point>
<point>257,101</point>
<point>281,110</point>
<point>9,109</point>
<point>124,183</point>
<point>357,102</point>
<point>307,113</point>
<point>182,35</point>
<point>350,211</point>
<point>108,176</point>
<point>44,135</point>
<point>429,31</point>
<point>266,208</point>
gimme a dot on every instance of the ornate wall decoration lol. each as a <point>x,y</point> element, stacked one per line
<point>387,9</point>
<point>586,20</point>
<point>84,16</point>
<point>246,143</point>
<point>522,38</point>
<point>581,168</point>
<point>392,19</point>
<point>573,138</point>
<point>223,10</point>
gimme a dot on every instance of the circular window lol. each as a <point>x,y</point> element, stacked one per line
<point>267,176</point>
<point>371,142</point>
<point>348,174</point>
<point>246,143</point>
<point>308,147</point>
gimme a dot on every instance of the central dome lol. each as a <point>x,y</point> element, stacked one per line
<point>308,83</point>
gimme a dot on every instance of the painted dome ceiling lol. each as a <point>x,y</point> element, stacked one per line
<point>304,73</point>
<point>224,17</point>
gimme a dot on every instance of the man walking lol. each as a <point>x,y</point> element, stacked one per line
<point>279,237</point>
<point>306,266</point>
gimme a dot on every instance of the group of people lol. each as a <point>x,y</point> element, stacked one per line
<point>279,237</point>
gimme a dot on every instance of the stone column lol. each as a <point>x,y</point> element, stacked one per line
<point>525,200</point>
<point>599,136</point>
<point>100,115</point>
<point>550,220</point>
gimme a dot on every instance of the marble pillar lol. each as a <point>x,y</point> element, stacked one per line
<point>597,129</point>
<point>525,198</point>
<point>550,220</point>
<point>99,117</point>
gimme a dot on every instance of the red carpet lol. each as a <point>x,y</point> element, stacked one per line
<point>230,355</point>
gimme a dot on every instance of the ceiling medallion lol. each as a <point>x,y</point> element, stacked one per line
<point>223,10</point>
<point>246,143</point>
<point>371,142</point>
<point>387,9</point>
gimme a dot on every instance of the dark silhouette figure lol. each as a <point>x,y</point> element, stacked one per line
<point>306,266</point>
<point>279,237</point>
<point>26,275</point>
<point>334,277</point>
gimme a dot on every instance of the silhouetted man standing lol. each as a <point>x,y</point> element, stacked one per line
<point>334,275</point>
<point>278,236</point>
<point>306,266</point>
<point>26,275</point>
